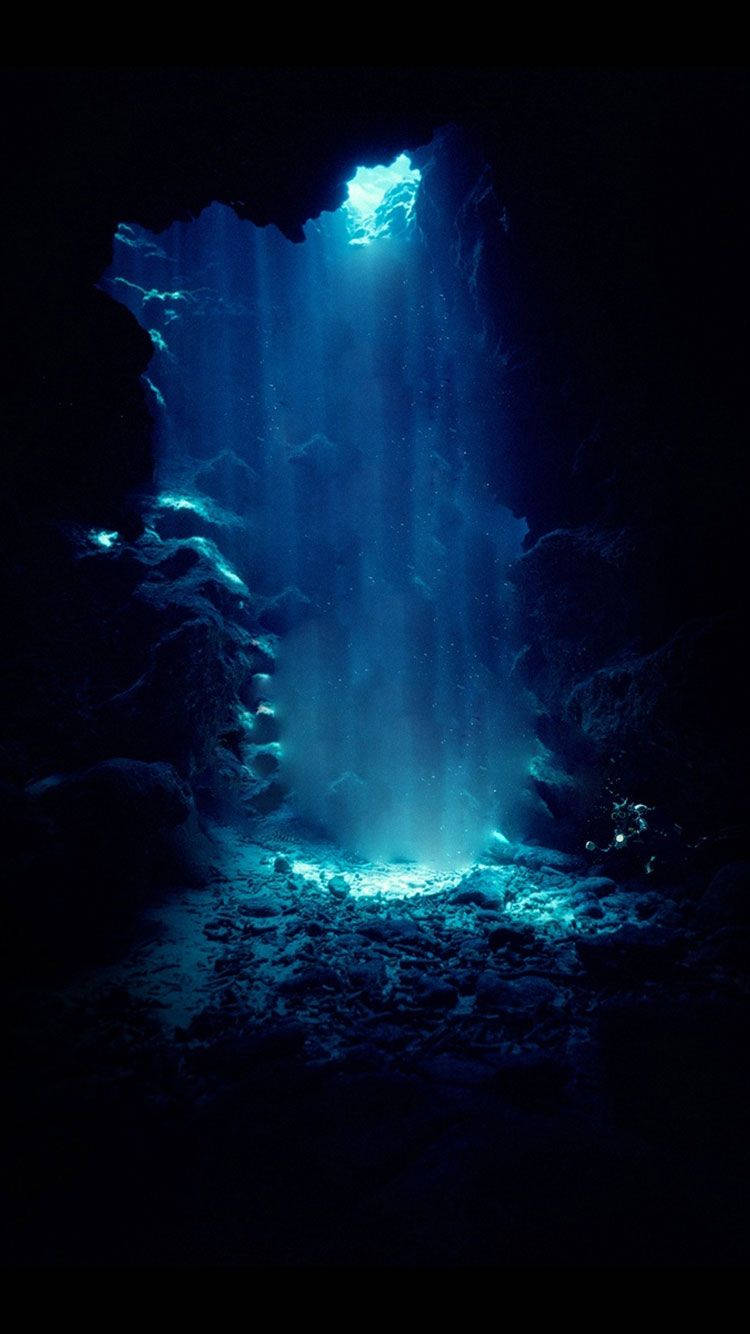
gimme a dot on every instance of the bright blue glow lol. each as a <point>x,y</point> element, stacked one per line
<point>328,411</point>
<point>210,550</point>
<point>152,293</point>
<point>381,199</point>
<point>135,239</point>
<point>158,395</point>
<point>173,502</point>
<point>157,340</point>
<point>378,879</point>
<point>229,574</point>
<point>102,538</point>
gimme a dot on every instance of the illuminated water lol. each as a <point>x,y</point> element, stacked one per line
<point>324,421</point>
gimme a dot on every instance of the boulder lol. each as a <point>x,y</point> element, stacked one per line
<point>118,793</point>
<point>479,889</point>
<point>594,887</point>
<point>500,993</point>
<point>510,937</point>
<point>115,826</point>
<point>264,761</point>
<point>266,797</point>
<point>261,905</point>
<point>436,993</point>
<point>180,705</point>
<point>310,979</point>
<point>533,858</point>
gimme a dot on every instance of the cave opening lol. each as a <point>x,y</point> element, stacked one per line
<point>325,417</point>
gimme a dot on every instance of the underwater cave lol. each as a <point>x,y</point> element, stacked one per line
<point>375,812</point>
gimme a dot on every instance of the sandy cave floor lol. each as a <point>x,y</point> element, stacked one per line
<point>316,1061</point>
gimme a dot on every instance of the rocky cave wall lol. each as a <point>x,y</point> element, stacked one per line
<point>577,221</point>
<point>618,351</point>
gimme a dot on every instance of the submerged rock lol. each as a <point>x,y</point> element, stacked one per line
<point>437,993</point>
<point>265,761</point>
<point>533,858</point>
<point>368,974</point>
<point>594,886</point>
<point>265,725</point>
<point>120,825</point>
<point>496,992</point>
<point>630,952</point>
<point>479,889</point>
<point>133,793</point>
<point>392,929</point>
<point>261,905</point>
<point>178,708</point>
<point>266,797</point>
<point>729,947</point>
<point>727,899</point>
<point>311,979</point>
<point>510,937</point>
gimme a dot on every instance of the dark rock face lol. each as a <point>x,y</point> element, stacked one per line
<point>727,899</point>
<point>510,937</point>
<point>574,593</point>
<point>144,796</point>
<point>651,724</point>
<point>631,953</point>
<point>597,886</point>
<point>628,591</point>
<point>85,849</point>
<point>138,651</point>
